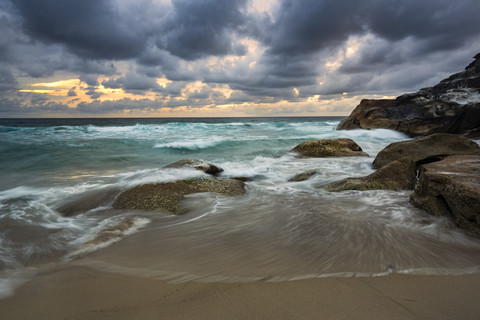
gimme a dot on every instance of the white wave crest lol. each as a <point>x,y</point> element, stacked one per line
<point>195,144</point>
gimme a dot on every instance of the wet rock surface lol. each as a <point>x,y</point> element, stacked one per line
<point>303,176</point>
<point>398,175</point>
<point>340,147</point>
<point>169,196</point>
<point>451,187</point>
<point>196,164</point>
<point>451,106</point>
<point>427,149</point>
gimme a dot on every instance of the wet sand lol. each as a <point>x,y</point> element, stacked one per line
<point>78,292</point>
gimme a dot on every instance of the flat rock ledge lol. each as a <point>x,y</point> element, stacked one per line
<point>427,149</point>
<point>340,147</point>
<point>398,175</point>
<point>197,165</point>
<point>451,187</point>
<point>168,197</point>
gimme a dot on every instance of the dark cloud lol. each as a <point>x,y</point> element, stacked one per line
<point>174,89</point>
<point>200,94</point>
<point>203,27</point>
<point>97,107</point>
<point>10,106</point>
<point>89,28</point>
<point>133,81</point>
<point>306,33</point>
<point>72,92</point>
<point>9,26</point>
<point>36,106</point>
<point>450,22</point>
<point>112,84</point>
<point>39,60</point>
<point>7,80</point>
<point>99,29</point>
<point>305,26</point>
<point>93,93</point>
<point>89,79</point>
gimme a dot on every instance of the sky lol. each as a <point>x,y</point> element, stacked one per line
<point>204,58</point>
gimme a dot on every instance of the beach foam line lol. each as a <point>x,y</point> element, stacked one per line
<point>106,234</point>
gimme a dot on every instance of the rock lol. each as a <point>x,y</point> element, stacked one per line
<point>451,187</point>
<point>472,134</point>
<point>196,164</point>
<point>243,179</point>
<point>86,201</point>
<point>397,175</point>
<point>340,147</point>
<point>169,196</point>
<point>427,149</point>
<point>303,176</point>
<point>452,106</point>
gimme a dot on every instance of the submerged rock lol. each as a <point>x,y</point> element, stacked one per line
<point>197,165</point>
<point>169,196</point>
<point>397,175</point>
<point>243,179</point>
<point>451,187</point>
<point>452,106</point>
<point>86,201</point>
<point>340,147</point>
<point>427,149</point>
<point>303,176</point>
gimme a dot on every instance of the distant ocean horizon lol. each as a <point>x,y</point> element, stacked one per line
<point>61,175</point>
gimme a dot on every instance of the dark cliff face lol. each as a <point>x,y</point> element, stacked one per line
<point>451,106</point>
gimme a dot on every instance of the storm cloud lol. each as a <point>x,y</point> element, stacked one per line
<point>194,53</point>
<point>89,28</point>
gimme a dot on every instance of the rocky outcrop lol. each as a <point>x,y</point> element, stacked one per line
<point>451,187</point>
<point>169,196</point>
<point>397,163</point>
<point>197,165</point>
<point>397,175</point>
<point>303,176</point>
<point>452,106</point>
<point>427,149</point>
<point>340,147</point>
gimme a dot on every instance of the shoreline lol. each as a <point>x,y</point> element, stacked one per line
<point>78,292</point>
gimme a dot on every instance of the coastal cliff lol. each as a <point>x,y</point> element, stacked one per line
<point>451,106</point>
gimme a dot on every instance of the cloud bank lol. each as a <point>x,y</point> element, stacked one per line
<point>219,57</point>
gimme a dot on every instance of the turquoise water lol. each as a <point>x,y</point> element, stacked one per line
<point>60,176</point>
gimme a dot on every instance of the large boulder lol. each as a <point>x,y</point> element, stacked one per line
<point>197,165</point>
<point>452,106</point>
<point>340,147</point>
<point>169,196</point>
<point>451,187</point>
<point>427,149</point>
<point>397,175</point>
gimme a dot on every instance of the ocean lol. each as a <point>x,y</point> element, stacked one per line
<point>60,177</point>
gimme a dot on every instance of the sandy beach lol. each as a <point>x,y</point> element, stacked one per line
<point>78,292</point>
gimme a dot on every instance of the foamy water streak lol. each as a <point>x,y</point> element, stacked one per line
<point>60,177</point>
<point>283,231</point>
